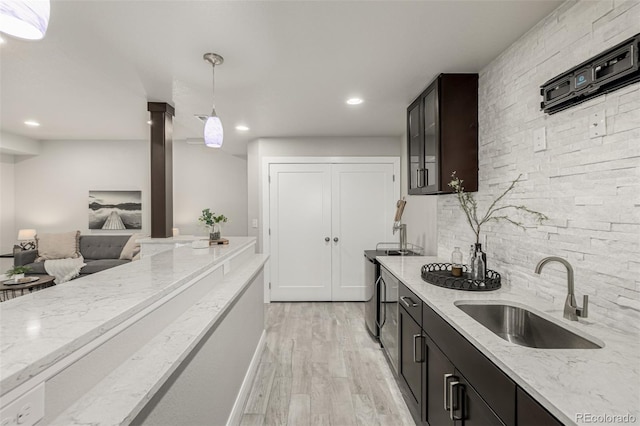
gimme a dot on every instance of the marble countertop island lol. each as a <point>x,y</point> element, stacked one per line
<point>40,329</point>
<point>567,382</point>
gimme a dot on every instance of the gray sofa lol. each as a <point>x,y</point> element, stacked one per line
<point>100,252</point>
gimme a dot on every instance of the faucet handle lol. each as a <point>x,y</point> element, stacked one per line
<point>584,311</point>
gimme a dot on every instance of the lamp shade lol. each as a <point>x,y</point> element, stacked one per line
<point>26,19</point>
<point>26,234</point>
<point>213,133</point>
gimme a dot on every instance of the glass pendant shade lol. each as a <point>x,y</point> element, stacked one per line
<point>213,133</point>
<point>26,19</point>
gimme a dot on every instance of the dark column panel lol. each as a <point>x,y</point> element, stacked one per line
<point>161,168</point>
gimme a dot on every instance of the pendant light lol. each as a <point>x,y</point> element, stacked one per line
<point>213,132</point>
<point>26,19</point>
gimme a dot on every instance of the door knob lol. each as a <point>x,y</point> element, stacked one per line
<point>327,239</point>
<point>335,240</point>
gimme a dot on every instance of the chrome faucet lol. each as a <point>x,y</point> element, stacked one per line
<point>571,309</point>
<point>402,227</point>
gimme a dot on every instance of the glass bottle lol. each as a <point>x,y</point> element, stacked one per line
<point>472,254</point>
<point>456,262</point>
<point>478,270</point>
<point>477,248</point>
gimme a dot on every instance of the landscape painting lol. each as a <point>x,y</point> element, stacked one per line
<point>115,210</point>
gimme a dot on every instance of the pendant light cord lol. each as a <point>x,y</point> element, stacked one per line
<point>213,86</point>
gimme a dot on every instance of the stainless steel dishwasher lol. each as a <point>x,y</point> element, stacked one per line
<point>389,286</point>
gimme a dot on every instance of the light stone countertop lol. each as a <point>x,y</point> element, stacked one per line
<point>119,397</point>
<point>179,239</point>
<point>41,328</point>
<point>566,382</point>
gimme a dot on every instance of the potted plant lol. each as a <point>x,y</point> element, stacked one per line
<point>213,223</point>
<point>17,272</point>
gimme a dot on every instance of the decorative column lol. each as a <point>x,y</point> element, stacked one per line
<point>161,169</point>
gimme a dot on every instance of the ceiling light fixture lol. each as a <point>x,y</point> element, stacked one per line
<point>242,128</point>
<point>354,101</point>
<point>213,132</point>
<point>32,123</point>
<point>26,19</point>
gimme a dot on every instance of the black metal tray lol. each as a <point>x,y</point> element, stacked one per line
<point>440,274</point>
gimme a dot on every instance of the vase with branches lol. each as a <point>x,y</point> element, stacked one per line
<point>496,212</point>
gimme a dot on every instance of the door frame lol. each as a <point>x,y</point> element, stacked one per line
<point>265,195</point>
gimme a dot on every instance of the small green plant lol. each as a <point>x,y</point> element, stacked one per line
<point>493,213</point>
<point>17,270</point>
<point>209,218</point>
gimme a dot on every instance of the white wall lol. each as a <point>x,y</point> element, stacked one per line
<point>306,147</point>
<point>52,188</point>
<point>8,230</point>
<point>18,145</point>
<point>206,177</point>
<point>589,187</point>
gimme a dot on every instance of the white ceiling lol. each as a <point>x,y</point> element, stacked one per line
<point>289,65</point>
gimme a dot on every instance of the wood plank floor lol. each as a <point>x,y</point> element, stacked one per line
<point>320,367</point>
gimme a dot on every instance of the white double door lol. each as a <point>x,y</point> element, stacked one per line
<point>322,218</point>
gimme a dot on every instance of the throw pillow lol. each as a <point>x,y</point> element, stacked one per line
<point>132,248</point>
<point>58,246</point>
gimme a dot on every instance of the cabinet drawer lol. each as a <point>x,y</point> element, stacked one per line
<point>411,303</point>
<point>488,380</point>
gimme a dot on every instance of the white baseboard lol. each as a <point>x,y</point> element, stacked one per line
<point>238,407</point>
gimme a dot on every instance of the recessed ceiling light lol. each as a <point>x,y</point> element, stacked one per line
<point>354,101</point>
<point>2,41</point>
<point>32,123</point>
<point>149,122</point>
<point>242,128</point>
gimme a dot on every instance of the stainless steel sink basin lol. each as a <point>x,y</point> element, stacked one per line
<point>400,253</point>
<point>523,327</point>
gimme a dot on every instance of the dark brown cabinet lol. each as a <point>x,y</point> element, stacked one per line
<point>411,354</point>
<point>442,135</point>
<point>438,372</point>
<point>530,413</point>
<point>447,381</point>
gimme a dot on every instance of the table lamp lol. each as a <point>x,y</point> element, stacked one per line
<point>26,237</point>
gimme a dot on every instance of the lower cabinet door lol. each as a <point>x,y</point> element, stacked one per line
<point>411,354</point>
<point>439,372</point>
<point>530,413</point>
<point>469,409</point>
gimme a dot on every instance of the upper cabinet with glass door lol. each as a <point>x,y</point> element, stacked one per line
<point>442,135</point>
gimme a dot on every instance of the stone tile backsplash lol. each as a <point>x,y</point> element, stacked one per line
<point>589,187</point>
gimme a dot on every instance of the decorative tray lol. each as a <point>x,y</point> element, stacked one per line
<point>440,274</point>
<point>25,280</point>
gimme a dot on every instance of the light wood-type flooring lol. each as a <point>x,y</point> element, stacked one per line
<point>320,367</point>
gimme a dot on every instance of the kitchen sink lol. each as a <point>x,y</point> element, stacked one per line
<point>520,326</point>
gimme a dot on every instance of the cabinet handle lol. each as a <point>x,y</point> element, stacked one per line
<point>376,292</point>
<point>327,239</point>
<point>426,175</point>
<point>445,397</point>
<point>415,345</point>
<point>457,402</point>
<point>407,304</point>
<point>335,239</point>
<point>383,297</point>
<point>418,180</point>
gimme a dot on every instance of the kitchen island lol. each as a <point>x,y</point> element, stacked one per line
<point>132,343</point>
<point>574,385</point>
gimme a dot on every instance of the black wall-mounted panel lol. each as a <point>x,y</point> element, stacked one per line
<point>604,73</point>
